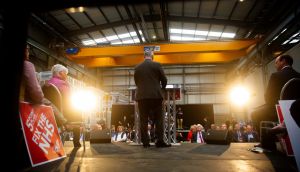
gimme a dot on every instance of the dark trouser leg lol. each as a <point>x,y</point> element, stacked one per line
<point>144,113</point>
<point>268,139</point>
<point>76,134</point>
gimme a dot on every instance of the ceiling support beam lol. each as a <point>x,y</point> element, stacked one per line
<point>133,23</point>
<point>163,14</point>
<point>164,59</point>
<point>209,46</point>
<point>157,18</point>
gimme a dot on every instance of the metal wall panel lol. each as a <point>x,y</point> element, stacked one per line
<point>221,109</point>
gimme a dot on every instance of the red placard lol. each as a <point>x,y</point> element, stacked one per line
<point>279,113</point>
<point>41,134</point>
<point>285,140</point>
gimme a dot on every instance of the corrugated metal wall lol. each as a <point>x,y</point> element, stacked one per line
<point>201,84</point>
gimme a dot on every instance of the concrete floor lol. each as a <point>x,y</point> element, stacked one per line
<point>185,157</point>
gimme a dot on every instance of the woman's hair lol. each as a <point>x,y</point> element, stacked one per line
<point>58,68</point>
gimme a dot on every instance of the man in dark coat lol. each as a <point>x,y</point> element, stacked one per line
<point>267,112</point>
<point>150,79</point>
<point>284,73</point>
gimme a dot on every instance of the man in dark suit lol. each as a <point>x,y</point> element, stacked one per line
<point>284,73</point>
<point>150,79</point>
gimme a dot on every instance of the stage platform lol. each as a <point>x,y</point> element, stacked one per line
<point>122,157</point>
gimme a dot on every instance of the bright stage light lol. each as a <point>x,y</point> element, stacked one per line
<point>84,100</point>
<point>239,95</point>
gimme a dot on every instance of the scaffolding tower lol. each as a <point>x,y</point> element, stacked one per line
<point>172,93</point>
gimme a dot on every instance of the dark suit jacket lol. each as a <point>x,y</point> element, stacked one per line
<point>276,82</point>
<point>150,79</point>
<point>194,137</point>
<point>235,136</point>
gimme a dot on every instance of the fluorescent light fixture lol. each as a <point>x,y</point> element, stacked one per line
<point>100,40</point>
<point>128,42</point>
<point>153,37</point>
<point>172,30</point>
<point>143,39</point>
<point>275,38</point>
<point>175,38</point>
<point>283,30</point>
<point>125,35</point>
<point>132,33</point>
<point>116,43</point>
<point>136,40</point>
<point>187,38</point>
<point>199,39</point>
<point>228,35</point>
<point>295,35</point>
<point>215,34</point>
<point>285,42</point>
<point>201,32</point>
<point>294,41</point>
<point>89,42</point>
<point>141,33</point>
<point>188,32</point>
<point>111,38</point>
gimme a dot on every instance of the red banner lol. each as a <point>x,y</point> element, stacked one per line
<point>41,134</point>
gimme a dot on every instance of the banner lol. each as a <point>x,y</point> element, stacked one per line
<point>41,134</point>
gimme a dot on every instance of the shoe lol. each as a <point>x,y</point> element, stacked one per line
<point>162,145</point>
<point>257,145</point>
<point>257,150</point>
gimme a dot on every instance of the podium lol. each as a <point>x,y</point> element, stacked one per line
<point>171,94</point>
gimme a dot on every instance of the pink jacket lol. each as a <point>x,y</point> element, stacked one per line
<point>62,85</point>
<point>33,91</point>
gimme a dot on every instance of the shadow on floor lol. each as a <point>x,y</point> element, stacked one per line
<point>109,148</point>
<point>208,149</point>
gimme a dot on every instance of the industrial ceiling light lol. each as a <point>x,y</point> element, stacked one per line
<point>75,9</point>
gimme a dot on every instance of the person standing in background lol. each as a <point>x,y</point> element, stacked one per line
<point>179,116</point>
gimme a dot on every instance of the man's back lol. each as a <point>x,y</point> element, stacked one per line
<point>149,78</point>
<point>277,81</point>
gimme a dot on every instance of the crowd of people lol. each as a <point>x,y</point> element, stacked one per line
<point>151,82</point>
<point>237,132</point>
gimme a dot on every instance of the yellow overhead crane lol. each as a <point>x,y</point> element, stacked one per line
<point>175,53</point>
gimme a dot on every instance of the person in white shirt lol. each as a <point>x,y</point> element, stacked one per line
<point>120,135</point>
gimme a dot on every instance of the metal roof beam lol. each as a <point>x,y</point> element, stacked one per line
<point>163,14</point>
<point>164,59</point>
<point>101,27</point>
<point>157,17</point>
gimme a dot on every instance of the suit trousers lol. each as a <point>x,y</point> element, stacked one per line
<point>151,109</point>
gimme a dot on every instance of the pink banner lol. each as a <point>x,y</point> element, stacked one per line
<point>41,134</point>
